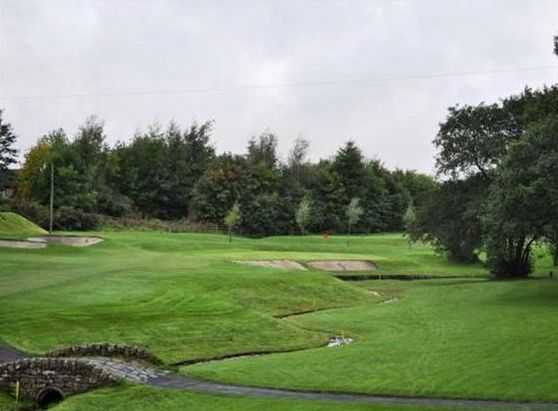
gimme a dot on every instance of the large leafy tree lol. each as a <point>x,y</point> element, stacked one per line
<point>473,139</point>
<point>471,143</point>
<point>143,165</point>
<point>8,152</point>
<point>189,154</point>
<point>219,188</point>
<point>449,218</point>
<point>263,150</point>
<point>159,168</point>
<point>523,204</point>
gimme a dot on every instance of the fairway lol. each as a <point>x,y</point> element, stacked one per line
<point>184,298</point>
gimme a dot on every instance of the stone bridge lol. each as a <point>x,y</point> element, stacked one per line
<point>50,380</point>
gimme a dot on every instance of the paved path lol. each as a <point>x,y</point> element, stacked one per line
<point>9,354</point>
<point>137,373</point>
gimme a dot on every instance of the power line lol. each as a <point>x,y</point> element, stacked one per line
<point>325,83</point>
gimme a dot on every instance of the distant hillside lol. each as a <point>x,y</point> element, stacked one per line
<point>14,225</point>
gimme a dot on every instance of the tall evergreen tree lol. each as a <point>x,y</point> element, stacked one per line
<point>7,151</point>
<point>351,169</point>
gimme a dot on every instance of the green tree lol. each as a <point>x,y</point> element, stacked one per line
<point>143,165</point>
<point>299,153</point>
<point>304,214</point>
<point>418,185</point>
<point>350,167</point>
<point>551,237</point>
<point>450,218</point>
<point>353,213</point>
<point>263,150</point>
<point>232,219</point>
<point>473,140</point>
<point>219,188</point>
<point>30,184</point>
<point>522,207</point>
<point>7,151</point>
<point>189,154</point>
<point>410,217</point>
<point>410,220</point>
<point>374,198</point>
<point>328,197</point>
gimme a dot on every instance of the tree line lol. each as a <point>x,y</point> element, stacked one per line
<point>495,195</point>
<point>174,173</point>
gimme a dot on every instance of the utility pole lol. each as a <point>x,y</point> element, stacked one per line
<point>51,198</point>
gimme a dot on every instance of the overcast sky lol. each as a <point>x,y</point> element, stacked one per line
<point>380,72</point>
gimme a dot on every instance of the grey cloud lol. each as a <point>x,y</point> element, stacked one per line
<point>106,49</point>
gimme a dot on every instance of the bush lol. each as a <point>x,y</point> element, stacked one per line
<point>31,210</point>
<point>136,223</point>
<point>68,218</point>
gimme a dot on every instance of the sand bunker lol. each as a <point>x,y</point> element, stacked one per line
<point>22,244</point>
<point>73,241</point>
<point>282,264</point>
<point>345,265</point>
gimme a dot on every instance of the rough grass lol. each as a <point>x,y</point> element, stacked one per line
<point>7,403</point>
<point>15,226</point>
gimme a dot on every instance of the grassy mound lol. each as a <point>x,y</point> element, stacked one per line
<point>15,226</point>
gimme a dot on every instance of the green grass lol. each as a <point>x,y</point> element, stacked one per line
<point>150,399</point>
<point>182,297</point>
<point>7,403</point>
<point>15,226</point>
<point>458,338</point>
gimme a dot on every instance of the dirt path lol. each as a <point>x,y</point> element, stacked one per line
<point>136,373</point>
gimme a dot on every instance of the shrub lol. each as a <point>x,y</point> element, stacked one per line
<point>31,210</point>
<point>68,218</point>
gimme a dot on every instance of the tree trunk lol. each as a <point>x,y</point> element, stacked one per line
<point>51,205</point>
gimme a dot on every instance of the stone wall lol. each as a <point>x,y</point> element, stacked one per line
<point>128,352</point>
<point>68,376</point>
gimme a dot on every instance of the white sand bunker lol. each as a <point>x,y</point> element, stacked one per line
<point>22,244</point>
<point>282,264</point>
<point>344,265</point>
<point>73,241</point>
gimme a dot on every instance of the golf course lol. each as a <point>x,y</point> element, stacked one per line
<point>192,298</point>
<point>279,206</point>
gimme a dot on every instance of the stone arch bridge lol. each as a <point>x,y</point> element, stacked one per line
<point>47,380</point>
